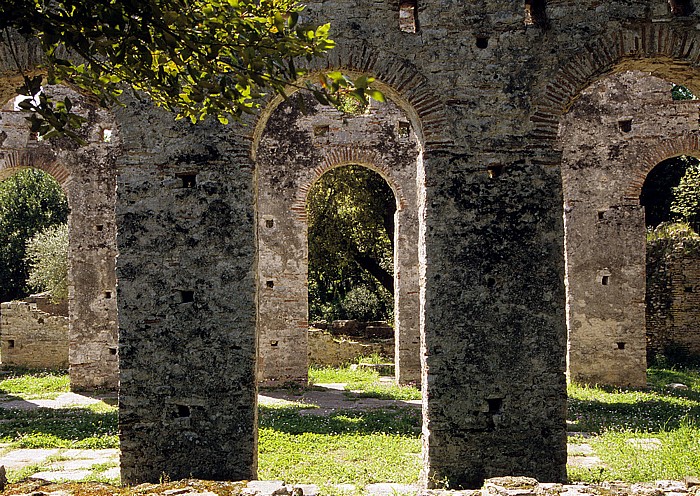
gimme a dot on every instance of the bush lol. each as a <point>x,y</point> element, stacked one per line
<point>362,304</point>
<point>47,256</point>
<point>686,198</point>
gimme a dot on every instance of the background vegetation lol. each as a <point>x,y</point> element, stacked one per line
<point>351,246</point>
<point>30,201</point>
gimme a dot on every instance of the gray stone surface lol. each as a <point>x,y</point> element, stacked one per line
<point>23,457</point>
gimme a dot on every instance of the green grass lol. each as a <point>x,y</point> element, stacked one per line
<point>384,445</point>
<point>616,416</point>
<point>364,382</point>
<point>32,384</point>
<point>345,447</point>
<point>59,428</point>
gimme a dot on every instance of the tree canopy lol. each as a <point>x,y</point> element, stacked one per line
<point>30,201</point>
<point>194,57</point>
<point>351,240</point>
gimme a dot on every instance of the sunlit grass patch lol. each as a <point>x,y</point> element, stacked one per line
<point>364,382</point>
<point>61,428</point>
<point>32,384</point>
<point>640,435</point>
<point>344,447</point>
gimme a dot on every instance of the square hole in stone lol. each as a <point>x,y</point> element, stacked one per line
<point>189,179</point>
<point>494,170</point>
<point>495,405</point>
<point>620,345</point>
<point>99,227</point>
<point>10,343</point>
<point>183,411</point>
<point>407,16</point>
<point>112,351</point>
<point>270,284</point>
<point>108,295</point>
<point>482,42</point>
<point>625,125</point>
<point>605,280</point>
<point>404,129</point>
<point>274,344</point>
<point>186,296</point>
<point>320,131</point>
<point>269,223</point>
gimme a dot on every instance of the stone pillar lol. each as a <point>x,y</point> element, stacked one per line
<point>494,389</point>
<point>407,293</point>
<point>186,295</point>
<point>92,282</point>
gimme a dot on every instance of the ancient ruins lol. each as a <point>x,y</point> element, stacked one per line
<point>469,140</point>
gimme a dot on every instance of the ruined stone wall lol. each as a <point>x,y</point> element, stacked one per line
<point>297,147</point>
<point>32,337</point>
<point>327,350</point>
<point>607,136</point>
<point>673,302</point>
<point>484,92</point>
<point>87,176</point>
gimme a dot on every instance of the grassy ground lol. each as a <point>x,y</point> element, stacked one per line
<point>619,419</point>
<point>345,447</point>
<point>363,382</point>
<point>384,445</point>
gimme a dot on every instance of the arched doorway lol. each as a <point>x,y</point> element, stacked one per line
<point>88,178</point>
<point>351,216</point>
<point>296,149</point>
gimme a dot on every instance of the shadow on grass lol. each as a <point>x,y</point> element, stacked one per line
<point>398,421</point>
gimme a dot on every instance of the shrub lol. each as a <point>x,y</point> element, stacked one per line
<point>47,256</point>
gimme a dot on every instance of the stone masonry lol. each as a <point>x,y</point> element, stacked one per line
<point>87,177</point>
<point>34,334</point>
<point>483,86</point>
<point>295,149</point>
<point>673,299</point>
<point>612,137</point>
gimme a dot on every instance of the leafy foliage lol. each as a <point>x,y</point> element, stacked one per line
<point>194,57</point>
<point>679,92</point>
<point>47,256</point>
<point>30,201</point>
<point>686,197</point>
<point>351,231</point>
<point>658,190</point>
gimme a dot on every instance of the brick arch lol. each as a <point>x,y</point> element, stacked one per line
<point>688,144</point>
<point>651,47</point>
<point>398,79</point>
<point>14,160</point>
<point>339,157</point>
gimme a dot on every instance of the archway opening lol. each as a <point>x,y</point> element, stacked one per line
<point>33,271</point>
<point>351,229</point>
<point>659,190</point>
<point>671,197</point>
